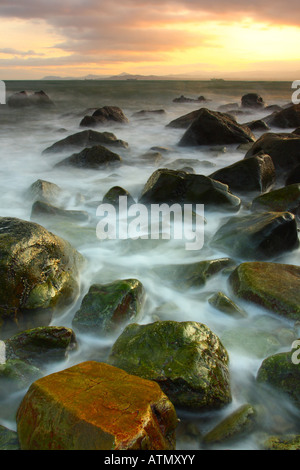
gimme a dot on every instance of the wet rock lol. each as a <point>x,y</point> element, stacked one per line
<point>258,125</point>
<point>186,359</point>
<point>273,107</point>
<point>92,158</point>
<point>44,191</point>
<point>252,100</point>
<point>294,176</point>
<point>183,122</point>
<point>212,127</point>
<point>105,115</point>
<point>273,286</point>
<point>284,149</point>
<point>279,200</point>
<point>283,443</point>
<point>286,118</point>
<point>296,131</point>
<point>16,375</point>
<point>259,235</point>
<point>8,439</point>
<point>84,139</point>
<point>113,194</point>
<point>110,410</point>
<point>42,345</point>
<point>253,174</point>
<point>39,274</point>
<point>25,98</point>
<point>238,424</point>
<point>107,307</point>
<point>41,211</point>
<point>279,372</point>
<point>173,186</point>
<point>184,99</point>
<point>221,302</point>
<point>148,112</point>
<point>152,158</point>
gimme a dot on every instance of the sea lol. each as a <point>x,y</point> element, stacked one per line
<point>24,135</point>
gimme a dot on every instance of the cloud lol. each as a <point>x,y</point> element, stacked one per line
<point>15,52</point>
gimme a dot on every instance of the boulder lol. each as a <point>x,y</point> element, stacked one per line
<point>16,375</point>
<point>107,307</point>
<point>25,98</point>
<point>148,112</point>
<point>260,235</point>
<point>105,115</point>
<point>273,286</point>
<point>184,99</point>
<point>224,304</point>
<point>284,149</point>
<point>252,100</point>
<point>171,186</point>
<point>186,359</point>
<point>253,174</point>
<point>92,158</point>
<point>283,442</point>
<point>94,406</point>
<point>257,125</point>
<point>8,439</point>
<point>215,128</point>
<point>39,274</point>
<point>293,176</point>
<point>44,191</point>
<point>280,373</point>
<point>42,345</point>
<point>183,122</point>
<point>113,194</point>
<point>279,200</point>
<point>287,118</point>
<point>84,139</point>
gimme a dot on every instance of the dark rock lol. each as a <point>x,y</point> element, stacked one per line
<point>226,108</point>
<point>153,158</point>
<point>221,302</point>
<point>41,346</point>
<point>39,273</point>
<point>252,100</point>
<point>146,112</point>
<point>112,196</point>
<point>92,158</point>
<point>107,114</point>
<point>183,122</point>
<point>279,200</point>
<point>212,127</point>
<point>184,99</point>
<point>88,138</point>
<point>8,439</point>
<point>251,174</point>
<point>23,99</point>
<point>294,176</point>
<point>286,118</point>
<point>263,235</point>
<point>173,186</point>
<point>258,125</point>
<point>107,307</point>
<point>296,131</point>
<point>273,286</point>
<point>186,359</point>
<point>284,149</point>
<point>273,107</point>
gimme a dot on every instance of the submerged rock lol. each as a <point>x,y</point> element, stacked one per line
<point>221,302</point>
<point>213,127</point>
<point>253,174</point>
<point>284,442</point>
<point>84,139</point>
<point>107,114</point>
<point>25,98</point>
<point>252,100</point>
<point>186,359</point>
<point>279,372</point>
<point>16,375</point>
<point>109,410</point>
<point>173,186</point>
<point>279,200</point>
<point>259,235</point>
<point>107,307</point>
<point>39,273</point>
<point>113,194</point>
<point>92,158</point>
<point>273,286</point>
<point>41,211</point>
<point>250,342</point>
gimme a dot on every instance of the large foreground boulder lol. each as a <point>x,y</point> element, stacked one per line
<point>38,271</point>
<point>186,359</point>
<point>253,174</point>
<point>92,158</point>
<point>94,406</point>
<point>273,286</point>
<point>215,128</point>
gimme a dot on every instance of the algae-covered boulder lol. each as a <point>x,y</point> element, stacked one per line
<point>94,406</point>
<point>285,442</point>
<point>186,359</point>
<point>8,439</point>
<point>41,345</point>
<point>171,186</point>
<point>39,273</point>
<point>239,423</point>
<point>224,304</point>
<point>281,373</point>
<point>113,194</point>
<point>279,200</point>
<point>215,128</point>
<point>273,286</point>
<point>260,235</point>
<point>107,307</point>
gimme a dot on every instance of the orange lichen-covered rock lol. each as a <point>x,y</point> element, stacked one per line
<point>95,406</point>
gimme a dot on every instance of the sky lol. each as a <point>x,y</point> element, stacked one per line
<point>252,39</point>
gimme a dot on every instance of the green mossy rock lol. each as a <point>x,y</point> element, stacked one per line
<point>239,423</point>
<point>263,235</point>
<point>8,439</point>
<point>112,196</point>
<point>186,359</point>
<point>280,200</point>
<point>221,302</point>
<point>279,372</point>
<point>107,307</point>
<point>41,345</point>
<point>39,273</point>
<point>289,442</point>
<point>16,375</point>
<point>273,286</point>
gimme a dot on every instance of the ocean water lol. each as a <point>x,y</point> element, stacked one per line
<point>25,133</point>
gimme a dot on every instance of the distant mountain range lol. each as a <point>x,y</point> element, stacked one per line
<point>121,76</point>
